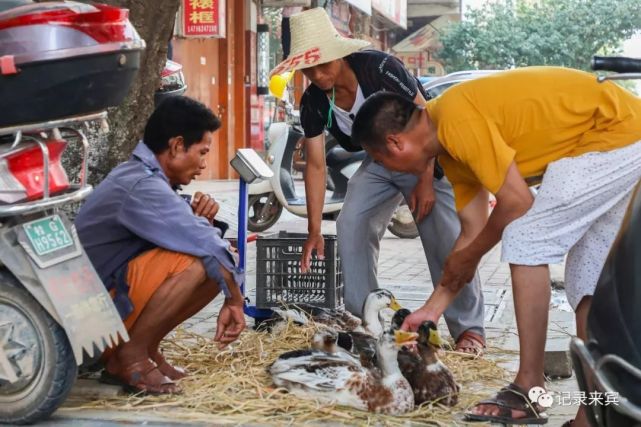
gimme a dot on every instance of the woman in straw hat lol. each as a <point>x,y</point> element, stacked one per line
<point>342,78</point>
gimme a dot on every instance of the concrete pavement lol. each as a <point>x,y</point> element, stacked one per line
<point>407,276</point>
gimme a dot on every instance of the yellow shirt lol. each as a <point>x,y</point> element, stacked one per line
<point>532,116</point>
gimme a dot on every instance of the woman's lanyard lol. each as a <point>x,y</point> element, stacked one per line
<point>331,109</point>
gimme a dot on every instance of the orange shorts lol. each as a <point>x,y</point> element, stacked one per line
<point>147,272</point>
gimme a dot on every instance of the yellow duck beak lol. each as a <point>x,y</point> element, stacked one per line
<point>278,83</point>
<point>394,305</point>
<point>435,338</point>
<point>404,337</point>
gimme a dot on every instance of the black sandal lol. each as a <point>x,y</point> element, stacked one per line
<point>507,399</point>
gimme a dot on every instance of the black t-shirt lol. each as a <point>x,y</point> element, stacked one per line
<point>375,71</point>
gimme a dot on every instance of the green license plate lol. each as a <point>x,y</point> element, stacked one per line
<point>47,235</point>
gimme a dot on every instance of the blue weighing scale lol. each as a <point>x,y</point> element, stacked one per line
<point>251,168</point>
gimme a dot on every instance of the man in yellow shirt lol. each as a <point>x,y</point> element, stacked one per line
<point>580,139</point>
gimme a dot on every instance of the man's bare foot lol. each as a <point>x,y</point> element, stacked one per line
<point>175,373</point>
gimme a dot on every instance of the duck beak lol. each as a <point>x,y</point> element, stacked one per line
<point>394,305</point>
<point>435,338</point>
<point>405,338</point>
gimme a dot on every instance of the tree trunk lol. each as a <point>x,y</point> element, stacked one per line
<point>154,21</point>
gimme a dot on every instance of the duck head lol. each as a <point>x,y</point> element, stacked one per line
<point>387,348</point>
<point>325,340</point>
<point>376,302</point>
<point>399,318</point>
<point>428,335</point>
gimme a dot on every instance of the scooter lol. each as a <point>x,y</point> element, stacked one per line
<point>54,309</point>
<point>608,366</point>
<point>268,198</point>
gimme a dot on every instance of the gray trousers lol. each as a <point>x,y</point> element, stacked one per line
<point>373,193</point>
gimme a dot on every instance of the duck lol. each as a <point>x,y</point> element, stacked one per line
<point>334,378</point>
<point>362,342</point>
<point>301,313</point>
<point>359,345</point>
<point>327,341</point>
<point>373,306</point>
<point>430,379</point>
<point>398,318</point>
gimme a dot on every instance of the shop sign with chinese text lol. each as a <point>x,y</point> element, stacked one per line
<point>203,18</point>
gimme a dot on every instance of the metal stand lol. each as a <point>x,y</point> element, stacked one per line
<point>250,310</point>
<point>251,168</point>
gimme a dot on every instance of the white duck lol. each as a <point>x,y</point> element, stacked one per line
<point>377,301</point>
<point>362,341</point>
<point>337,378</point>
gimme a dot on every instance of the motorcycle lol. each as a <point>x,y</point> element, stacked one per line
<point>54,310</point>
<point>268,198</point>
<point>609,364</point>
<point>172,82</point>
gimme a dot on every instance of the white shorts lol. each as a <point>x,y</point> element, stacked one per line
<point>578,211</point>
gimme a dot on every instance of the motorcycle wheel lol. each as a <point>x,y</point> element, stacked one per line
<point>38,351</point>
<point>264,211</point>
<point>402,224</point>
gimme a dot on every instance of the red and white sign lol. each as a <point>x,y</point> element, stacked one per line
<point>203,18</point>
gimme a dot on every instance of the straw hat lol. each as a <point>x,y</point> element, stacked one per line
<point>315,41</point>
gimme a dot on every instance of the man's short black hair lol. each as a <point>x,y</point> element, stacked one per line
<point>381,114</point>
<point>178,116</point>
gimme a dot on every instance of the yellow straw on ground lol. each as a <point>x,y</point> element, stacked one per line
<point>232,385</point>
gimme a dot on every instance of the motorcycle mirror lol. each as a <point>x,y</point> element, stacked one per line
<point>278,83</point>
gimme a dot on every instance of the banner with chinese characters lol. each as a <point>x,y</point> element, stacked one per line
<point>203,18</point>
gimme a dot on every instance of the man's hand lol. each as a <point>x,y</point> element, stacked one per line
<point>414,320</point>
<point>314,241</point>
<point>422,199</point>
<point>459,270</point>
<point>204,205</point>
<point>231,322</point>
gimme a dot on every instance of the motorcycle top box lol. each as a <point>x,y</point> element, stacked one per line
<point>61,59</point>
